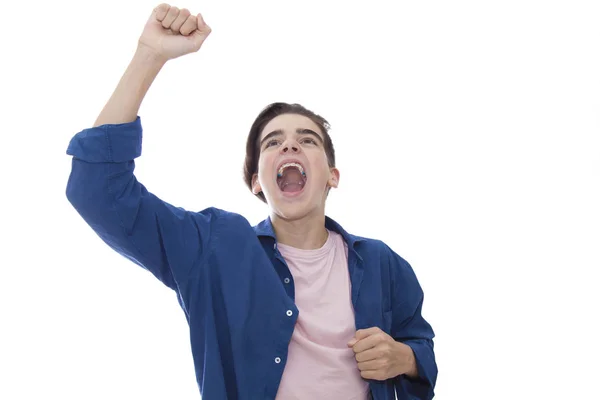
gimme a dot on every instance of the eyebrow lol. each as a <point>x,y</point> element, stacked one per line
<point>279,132</point>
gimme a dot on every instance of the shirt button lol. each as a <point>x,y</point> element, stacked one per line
<point>287,280</point>
<point>277,360</point>
<point>275,246</point>
<point>289,313</point>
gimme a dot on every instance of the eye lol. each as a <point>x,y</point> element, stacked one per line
<point>308,140</point>
<point>271,143</point>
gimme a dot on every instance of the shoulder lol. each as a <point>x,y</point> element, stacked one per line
<point>222,220</point>
<point>372,244</point>
<point>218,213</point>
<point>367,247</point>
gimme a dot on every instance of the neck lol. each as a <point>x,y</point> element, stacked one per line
<point>306,233</point>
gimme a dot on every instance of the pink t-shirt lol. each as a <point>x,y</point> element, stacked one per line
<point>320,365</point>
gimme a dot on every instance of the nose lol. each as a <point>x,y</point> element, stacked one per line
<point>290,147</point>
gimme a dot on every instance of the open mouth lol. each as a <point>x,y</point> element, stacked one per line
<point>291,177</point>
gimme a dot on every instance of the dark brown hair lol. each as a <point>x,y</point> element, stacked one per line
<point>266,115</point>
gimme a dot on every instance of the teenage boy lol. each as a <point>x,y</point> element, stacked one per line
<point>293,308</point>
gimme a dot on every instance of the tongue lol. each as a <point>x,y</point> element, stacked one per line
<point>292,187</point>
<point>292,180</point>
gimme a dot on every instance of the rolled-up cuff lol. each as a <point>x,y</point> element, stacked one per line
<point>422,387</point>
<point>113,143</point>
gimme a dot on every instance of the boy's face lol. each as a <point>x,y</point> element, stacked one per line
<point>293,172</point>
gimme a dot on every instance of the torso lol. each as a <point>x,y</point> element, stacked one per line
<point>320,365</point>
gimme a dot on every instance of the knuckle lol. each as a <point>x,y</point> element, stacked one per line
<point>188,25</point>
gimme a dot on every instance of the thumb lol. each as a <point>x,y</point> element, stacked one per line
<point>362,333</point>
<point>202,32</point>
<point>359,335</point>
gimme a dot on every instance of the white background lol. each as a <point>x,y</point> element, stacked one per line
<point>467,136</point>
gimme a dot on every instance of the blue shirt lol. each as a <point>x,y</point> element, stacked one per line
<point>231,281</point>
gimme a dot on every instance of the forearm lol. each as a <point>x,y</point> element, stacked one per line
<point>124,104</point>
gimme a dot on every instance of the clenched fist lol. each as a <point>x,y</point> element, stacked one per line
<point>172,32</point>
<point>380,357</point>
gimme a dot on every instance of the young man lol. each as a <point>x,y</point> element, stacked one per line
<point>294,308</point>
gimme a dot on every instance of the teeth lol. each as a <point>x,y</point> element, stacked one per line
<point>284,166</point>
<point>301,183</point>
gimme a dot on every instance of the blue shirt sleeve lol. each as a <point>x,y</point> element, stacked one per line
<point>410,328</point>
<point>166,240</point>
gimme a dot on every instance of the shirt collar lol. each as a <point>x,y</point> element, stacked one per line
<point>265,228</point>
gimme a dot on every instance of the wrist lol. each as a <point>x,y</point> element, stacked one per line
<point>148,56</point>
<point>408,362</point>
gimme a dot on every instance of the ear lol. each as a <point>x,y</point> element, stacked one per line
<point>334,177</point>
<point>256,189</point>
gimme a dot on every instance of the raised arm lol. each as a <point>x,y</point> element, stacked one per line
<point>169,33</point>
<point>102,186</point>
